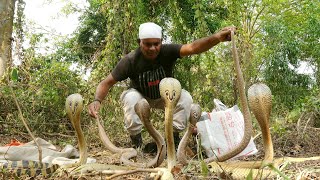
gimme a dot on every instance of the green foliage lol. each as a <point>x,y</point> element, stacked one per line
<point>42,97</point>
<point>88,39</point>
<point>54,83</point>
<point>14,75</point>
<point>309,108</point>
<point>279,126</point>
<point>250,175</point>
<point>203,166</point>
<point>271,166</point>
<point>280,73</point>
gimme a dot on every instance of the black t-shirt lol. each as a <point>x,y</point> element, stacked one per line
<point>145,75</point>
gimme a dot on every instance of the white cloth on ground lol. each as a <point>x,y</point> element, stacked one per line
<point>29,151</point>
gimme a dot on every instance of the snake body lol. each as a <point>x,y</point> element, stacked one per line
<point>142,108</point>
<point>245,110</point>
<point>74,106</point>
<point>260,101</point>
<point>195,114</point>
<point>170,91</point>
<point>126,153</point>
<point>30,168</point>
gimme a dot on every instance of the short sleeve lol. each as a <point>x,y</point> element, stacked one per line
<point>122,70</point>
<point>172,50</point>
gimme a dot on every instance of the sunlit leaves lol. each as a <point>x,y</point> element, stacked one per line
<point>14,74</point>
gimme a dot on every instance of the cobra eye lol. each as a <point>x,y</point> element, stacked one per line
<point>167,93</point>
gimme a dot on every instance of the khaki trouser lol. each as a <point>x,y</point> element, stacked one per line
<point>132,121</point>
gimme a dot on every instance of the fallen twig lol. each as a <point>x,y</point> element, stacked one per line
<point>298,122</point>
<point>57,134</point>
<point>304,129</point>
<point>126,172</point>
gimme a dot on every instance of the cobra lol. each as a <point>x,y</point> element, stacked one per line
<point>260,102</point>
<point>143,110</point>
<point>170,91</point>
<point>73,106</point>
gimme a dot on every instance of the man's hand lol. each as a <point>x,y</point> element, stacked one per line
<point>225,33</point>
<point>93,109</point>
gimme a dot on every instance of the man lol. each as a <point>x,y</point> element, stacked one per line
<point>145,67</point>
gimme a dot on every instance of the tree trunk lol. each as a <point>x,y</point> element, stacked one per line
<point>6,25</point>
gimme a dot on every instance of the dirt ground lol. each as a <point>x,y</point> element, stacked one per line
<point>292,143</point>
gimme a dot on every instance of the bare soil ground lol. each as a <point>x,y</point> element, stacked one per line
<point>304,142</point>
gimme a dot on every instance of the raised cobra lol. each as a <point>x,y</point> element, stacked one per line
<point>143,110</point>
<point>74,106</point>
<point>195,114</point>
<point>260,101</point>
<point>170,91</point>
<point>259,97</point>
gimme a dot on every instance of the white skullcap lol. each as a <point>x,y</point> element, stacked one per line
<point>150,30</point>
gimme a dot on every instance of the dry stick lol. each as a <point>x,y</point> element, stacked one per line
<point>131,172</point>
<point>25,124</point>
<point>305,127</point>
<point>298,122</point>
<point>58,134</point>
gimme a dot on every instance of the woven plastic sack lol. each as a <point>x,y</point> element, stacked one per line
<point>222,130</point>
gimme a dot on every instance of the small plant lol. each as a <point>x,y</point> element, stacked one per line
<point>203,166</point>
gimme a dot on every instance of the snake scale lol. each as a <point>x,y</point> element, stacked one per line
<point>30,168</point>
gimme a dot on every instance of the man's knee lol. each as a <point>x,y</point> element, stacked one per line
<point>185,102</point>
<point>186,98</point>
<point>182,111</point>
<point>133,124</point>
<point>130,97</point>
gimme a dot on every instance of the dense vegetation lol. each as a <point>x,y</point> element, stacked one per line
<point>274,38</point>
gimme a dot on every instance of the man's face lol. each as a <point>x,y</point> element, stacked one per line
<point>150,47</point>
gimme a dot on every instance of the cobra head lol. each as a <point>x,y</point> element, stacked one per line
<point>170,91</point>
<point>74,106</point>
<point>195,114</point>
